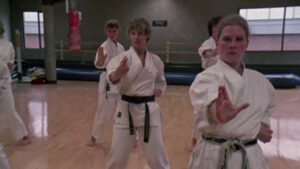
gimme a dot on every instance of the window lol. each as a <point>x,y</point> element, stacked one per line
<point>33,29</point>
<point>273,29</point>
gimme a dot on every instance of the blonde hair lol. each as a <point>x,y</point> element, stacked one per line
<point>233,20</point>
<point>142,25</point>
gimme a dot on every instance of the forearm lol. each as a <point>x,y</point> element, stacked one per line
<point>161,84</point>
<point>114,77</point>
<point>100,61</point>
<point>212,112</point>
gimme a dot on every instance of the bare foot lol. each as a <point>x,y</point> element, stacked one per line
<point>25,140</point>
<point>136,143</point>
<point>92,142</point>
<point>194,142</point>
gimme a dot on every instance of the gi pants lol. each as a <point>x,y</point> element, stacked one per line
<point>7,107</point>
<point>106,105</point>
<point>123,142</point>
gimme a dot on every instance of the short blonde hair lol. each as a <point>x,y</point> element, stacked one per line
<point>140,24</point>
<point>233,20</point>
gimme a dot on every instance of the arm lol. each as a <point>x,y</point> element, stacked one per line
<point>210,53</point>
<point>160,81</point>
<point>100,61</point>
<point>207,46</point>
<point>4,74</point>
<point>11,58</point>
<point>203,91</point>
<point>100,57</point>
<point>271,105</point>
<point>222,110</point>
<point>2,70</point>
<point>265,132</point>
<point>121,70</point>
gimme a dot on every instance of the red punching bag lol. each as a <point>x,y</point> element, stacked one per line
<point>74,30</point>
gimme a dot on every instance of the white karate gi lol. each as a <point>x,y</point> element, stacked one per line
<point>139,81</point>
<point>209,44</point>
<point>3,159</point>
<point>7,52</point>
<point>253,88</point>
<point>7,103</point>
<point>106,99</point>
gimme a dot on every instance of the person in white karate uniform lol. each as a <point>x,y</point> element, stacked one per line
<point>4,76</point>
<point>16,124</point>
<point>234,104</point>
<point>108,93</point>
<point>208,52</point>
<point>139,75</point>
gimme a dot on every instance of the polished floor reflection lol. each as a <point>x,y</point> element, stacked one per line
<point>60,117</point>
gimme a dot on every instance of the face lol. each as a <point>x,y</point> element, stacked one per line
<point>232,44</point>
<point>112,33</point>
<point>214,32</point>
<point>138,39</point>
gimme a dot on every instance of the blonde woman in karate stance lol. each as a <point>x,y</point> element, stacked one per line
<point>139,75</point>
<point>209,56</point>
<point>234,104</point>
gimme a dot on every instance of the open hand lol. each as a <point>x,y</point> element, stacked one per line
<point>121,70</point>
<point>101,56</point>
<point>225,110</point>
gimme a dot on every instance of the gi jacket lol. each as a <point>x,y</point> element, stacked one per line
<point>139,81</point>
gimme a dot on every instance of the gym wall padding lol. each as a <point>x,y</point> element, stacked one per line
<point>178,74</point>
<point>174,78</point>
<point>179,78</point>
<point>283,80</point>
<point>78,74</point>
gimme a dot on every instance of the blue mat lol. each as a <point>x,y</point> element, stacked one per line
<point>178,78</point>
<point>277,80</point>
<point>175,78</point>
<point>78,74</point>
<point>284,80</point>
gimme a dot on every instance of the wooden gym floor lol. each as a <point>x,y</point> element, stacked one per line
<point>60,118</point>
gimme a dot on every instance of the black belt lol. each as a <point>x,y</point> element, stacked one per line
<point>139,100</point>
<point>107,88</point>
